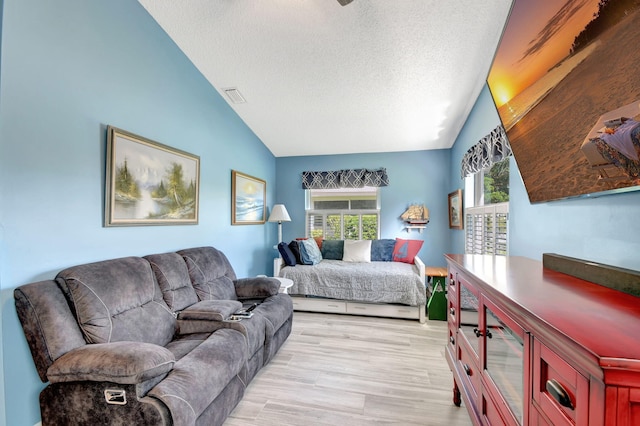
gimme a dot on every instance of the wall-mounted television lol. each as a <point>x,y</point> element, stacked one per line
<point>566,84</point>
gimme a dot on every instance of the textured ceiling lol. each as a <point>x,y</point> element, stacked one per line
<point>321,78</point>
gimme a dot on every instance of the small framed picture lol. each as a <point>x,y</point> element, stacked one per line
<point>455,210</point>
<point>248,196</point>
<point>148,183</point>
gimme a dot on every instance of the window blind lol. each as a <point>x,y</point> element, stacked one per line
<point>486,229</point>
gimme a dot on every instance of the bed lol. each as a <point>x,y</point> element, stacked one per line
<point>387,289</point>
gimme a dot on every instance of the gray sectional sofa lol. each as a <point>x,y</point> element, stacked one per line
<point>148,340</point>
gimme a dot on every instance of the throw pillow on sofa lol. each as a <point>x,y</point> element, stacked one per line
<point>332,249</point>
<point>287,255</point>
<point>406,250</point>
<point>357,251</point>
<point>309,252</point>
<point>382,250</point>
<point>295,249</point>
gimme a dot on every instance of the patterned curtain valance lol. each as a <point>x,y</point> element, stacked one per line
<point>354,178</point>
<point>491,149</point>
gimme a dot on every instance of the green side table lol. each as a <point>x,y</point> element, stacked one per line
<point>437,304</point>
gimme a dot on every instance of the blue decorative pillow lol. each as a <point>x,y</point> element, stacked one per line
<point>309,252</point>
<point>333,249</point>
<point>295,249</point>
<point>382,250</point>
<point>287,255</point>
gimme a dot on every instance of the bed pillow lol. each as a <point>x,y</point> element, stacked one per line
<point>357,251</point>
<point>382,250</point>
<point>406,250</point>
<point>309,252</point>
<point>295,249</point>
<point>332,249</point>
<point>287,255</point>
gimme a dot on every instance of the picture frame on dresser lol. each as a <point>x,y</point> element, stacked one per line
<point>149,183</point>
<point>248,195</point>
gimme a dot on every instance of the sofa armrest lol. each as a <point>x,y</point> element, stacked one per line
<point>117,362</point>
<point>210,310</point>
<point>258,287</point>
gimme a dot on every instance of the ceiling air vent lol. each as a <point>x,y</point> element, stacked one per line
<point>235,96</point>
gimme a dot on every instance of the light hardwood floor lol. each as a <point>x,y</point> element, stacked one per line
<point>350,370</point>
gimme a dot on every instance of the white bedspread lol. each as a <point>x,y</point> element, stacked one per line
<point>380,282</point>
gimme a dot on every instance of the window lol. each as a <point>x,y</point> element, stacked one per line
<point>343,214</point>
<point>487,214</point>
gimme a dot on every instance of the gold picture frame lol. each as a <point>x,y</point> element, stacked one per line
<point>248,195</point>
<point>456,213</point>
<point>148,183</point>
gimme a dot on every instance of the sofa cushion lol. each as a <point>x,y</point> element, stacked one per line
<point>357,251</point>
<point>187,391</point>
<point>309,252</point>
<point>43,312</point>
<point>382,250</point>
<point>406,250</point>
<point>276,310</point>
<point>118,362</point>
<point>173,278</point>
<point>211,273</point>
<point>116,300</point>
<point>332,249</point>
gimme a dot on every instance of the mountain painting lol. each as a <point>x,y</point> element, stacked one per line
<point>149,183</point>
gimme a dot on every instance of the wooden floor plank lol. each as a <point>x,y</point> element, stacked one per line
<point>350,370</point>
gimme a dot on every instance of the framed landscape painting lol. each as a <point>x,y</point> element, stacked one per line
<point>455,209</point>
<point>148,183</point>
<point>248,196</point>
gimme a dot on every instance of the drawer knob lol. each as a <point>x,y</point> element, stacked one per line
<point>558,393</point>
<point>467,370</point>
<point>479,333</point>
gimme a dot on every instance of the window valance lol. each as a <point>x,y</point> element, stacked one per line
<point>353,178</point>
<point>491,149</point>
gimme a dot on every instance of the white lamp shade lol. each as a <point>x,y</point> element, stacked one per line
<point>279,214</point>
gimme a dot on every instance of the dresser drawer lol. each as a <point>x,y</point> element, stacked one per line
<point>470,372</point>
<point>490,411</point>
<point>452,338</point>
<point>318,305</point>
<point>560,392</point>
<point>382,310</point>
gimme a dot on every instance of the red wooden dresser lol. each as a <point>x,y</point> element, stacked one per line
<point>532,346</point>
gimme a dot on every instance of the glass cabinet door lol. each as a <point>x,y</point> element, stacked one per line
<point>469,316</point>
<point>504,359</point>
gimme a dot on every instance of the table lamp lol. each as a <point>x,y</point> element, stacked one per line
<point>279,214</point>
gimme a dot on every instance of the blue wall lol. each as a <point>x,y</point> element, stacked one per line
<point>602,229</point>
<point>68,69</point>
<point>414,177</point>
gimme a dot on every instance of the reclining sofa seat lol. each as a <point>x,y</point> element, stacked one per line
<point>205,275</point>
<point>114,352</point>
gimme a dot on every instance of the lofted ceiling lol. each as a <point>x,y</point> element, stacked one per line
<point>320,78</point>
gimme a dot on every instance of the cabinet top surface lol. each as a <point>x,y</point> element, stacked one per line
<point>606,322</point>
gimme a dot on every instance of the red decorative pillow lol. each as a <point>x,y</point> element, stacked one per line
<point>318,241</point>
<point>406,250</point>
